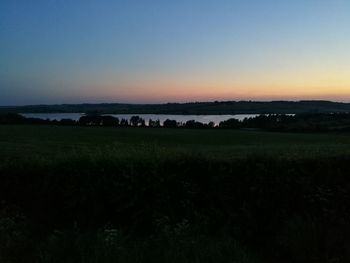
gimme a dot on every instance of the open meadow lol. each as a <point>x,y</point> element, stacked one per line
<point>98,194</point>
<point>49,142</point>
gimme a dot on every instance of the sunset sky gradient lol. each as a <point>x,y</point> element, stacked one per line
<point>65,51</point>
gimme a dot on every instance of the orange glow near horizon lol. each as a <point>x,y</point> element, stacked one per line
<point>210,93</point>
<point>327,87</point>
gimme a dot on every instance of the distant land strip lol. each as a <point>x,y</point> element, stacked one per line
<point>191,108</point>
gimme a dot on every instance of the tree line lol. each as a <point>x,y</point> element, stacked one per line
<point>190,108</point>
<point>274,122</point>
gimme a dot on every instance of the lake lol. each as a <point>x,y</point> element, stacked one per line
<point>161,117</point>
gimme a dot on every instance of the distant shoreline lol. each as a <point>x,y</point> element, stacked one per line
<point>190,108</point>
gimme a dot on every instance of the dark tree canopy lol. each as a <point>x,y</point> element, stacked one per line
<point>272,122</point>
<point>170,123</point>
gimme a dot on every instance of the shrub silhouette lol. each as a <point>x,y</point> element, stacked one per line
<point>230,123</point>
<point>137,121</point>
<point>170,123</point>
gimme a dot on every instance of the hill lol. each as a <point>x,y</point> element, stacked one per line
<point>217,107</point>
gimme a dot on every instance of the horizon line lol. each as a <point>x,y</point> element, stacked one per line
<point>164,103</point>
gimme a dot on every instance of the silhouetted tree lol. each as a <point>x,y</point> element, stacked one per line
<point>94,120</point>
<point>170,123</point>
<point>142,123</point>
<point>153,123</point>
<point>211,124</point>
<point>137,121</point>
<point>230,123</point>
<point>12,118</point>
<point>110,121</point>
<point>124,122</point>
<point>194,124</point>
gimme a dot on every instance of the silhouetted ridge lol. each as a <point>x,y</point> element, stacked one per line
<point>204,108</point>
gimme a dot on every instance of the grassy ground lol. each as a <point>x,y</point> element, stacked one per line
<point>50,140</point>
<point>92,194</point>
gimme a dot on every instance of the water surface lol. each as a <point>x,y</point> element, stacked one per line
<point>161,117</point>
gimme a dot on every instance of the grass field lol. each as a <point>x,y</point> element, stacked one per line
<point>49,141</point>
<point>93,194</point>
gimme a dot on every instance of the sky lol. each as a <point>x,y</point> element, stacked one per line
<point>138,51</point>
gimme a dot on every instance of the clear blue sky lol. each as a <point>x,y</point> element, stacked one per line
<point>72,51</point>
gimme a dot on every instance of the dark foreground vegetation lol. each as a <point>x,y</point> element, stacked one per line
<point>217,107</point>
<point>93,194</point>
<point>308,122</point>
